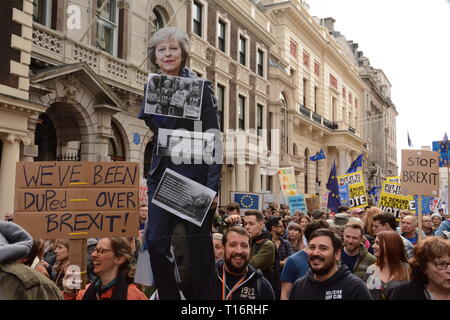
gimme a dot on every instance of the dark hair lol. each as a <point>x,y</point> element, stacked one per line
<point>355,225</point>
<point>121,248</point>
<point>324,232</point>
<point>233,206</point>
<point>427,250</point>
<point>310,228</point>
<point>271,222</point>
<point>237,229</point>
<point>384,218</point>
<point>343,209</point>
<point>259,216</point>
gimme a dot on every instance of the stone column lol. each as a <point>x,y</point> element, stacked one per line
<point>10,155</point>
<point>240,177</point>
<point>343,163</point>
<point>256,185</point>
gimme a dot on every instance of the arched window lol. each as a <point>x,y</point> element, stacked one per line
<point>116,146</point>
<point>306,169</point>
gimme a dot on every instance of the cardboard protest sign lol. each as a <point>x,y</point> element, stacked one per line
<point>312,203</point>
<point>357,189</point>
<point>173,96</point>
<point>183,197</point>
<point>77,200</point>
<point>420,172</point>
<point>392,200</point>
<point>297,202</point>
<point>287,181</point>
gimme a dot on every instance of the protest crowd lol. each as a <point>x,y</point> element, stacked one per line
<point>231,253</point>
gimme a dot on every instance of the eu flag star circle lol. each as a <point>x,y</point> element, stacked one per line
<point>246,201</point>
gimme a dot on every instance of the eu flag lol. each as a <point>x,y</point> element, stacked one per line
<point>334,200</point>
<point>247,201</point>
<point>318,156</point>
<point>357,163</point>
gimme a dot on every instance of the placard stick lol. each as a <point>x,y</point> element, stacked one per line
<point>419,215</point>
<point>78,257</point>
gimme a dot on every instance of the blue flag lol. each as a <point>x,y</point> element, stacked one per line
<point>247,201</point>
<point>357,163</point>
<point>318,156</point>
<point>409,140</point>
<point>333,186</point>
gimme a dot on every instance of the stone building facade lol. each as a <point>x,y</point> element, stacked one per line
<point>74,85</point>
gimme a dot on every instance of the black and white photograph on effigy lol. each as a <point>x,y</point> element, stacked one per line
<point>183,197</point>
<point>184,146</point>
<point>172,96</point>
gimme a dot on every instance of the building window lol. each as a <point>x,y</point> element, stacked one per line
<point>241,124</point>
<point>242,50</point>
<point>221,37</point>
<point>197,18</point>
<point>42,12</point>
<point>333,81</point>
<point>293,48</point>
<point>259,119</point>
<point>316,69</point>
<point>260,63</point>
<point>305,59</point>
<point>221,104</point>
<point>158,20</point>
<point>305,92</point>
<point>107,27</point>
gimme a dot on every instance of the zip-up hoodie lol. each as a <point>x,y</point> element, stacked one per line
<point>248,289</point>
<point>343,285</point>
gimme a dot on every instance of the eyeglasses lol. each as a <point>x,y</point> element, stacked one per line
<point>101,251</point>
<point>442,265</point>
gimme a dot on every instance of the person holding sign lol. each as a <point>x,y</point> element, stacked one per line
<point>112,259</point>
<point>169,50</point>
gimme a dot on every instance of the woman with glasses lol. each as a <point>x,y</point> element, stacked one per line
<point>111,259</point>
<point>430,276</point>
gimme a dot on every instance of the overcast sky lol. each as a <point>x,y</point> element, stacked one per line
<point>410,41</point>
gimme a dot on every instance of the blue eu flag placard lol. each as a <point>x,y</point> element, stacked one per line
<point>247,201</point>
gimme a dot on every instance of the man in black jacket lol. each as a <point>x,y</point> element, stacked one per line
<point>324,280</point>
<point>237,280</point>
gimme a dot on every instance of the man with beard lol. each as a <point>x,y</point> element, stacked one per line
<point>325,280</point>
<point>237,280</point>
<point>354,254</point>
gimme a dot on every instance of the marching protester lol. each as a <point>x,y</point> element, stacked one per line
<point>409,226</point>
<point>168,50</point>
<point>430,272</point>
<point>218,246</point>
<point>390,268</point>
<point>427,225</point>
<point>354,254</point>
<point>112,259</point>
<point>387,222</point>
<point>325,280</point>
<point>296,236</point>
<point>437,220</point>
<point>284,247</point>
<point>17,280</point>
<point>297,265</point>
<point>263,253</point>
<point>237,279</point>
<point>62,262</point>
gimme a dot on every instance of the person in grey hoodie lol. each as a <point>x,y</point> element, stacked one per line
<point>18,281</point>
<point>325,280</point>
